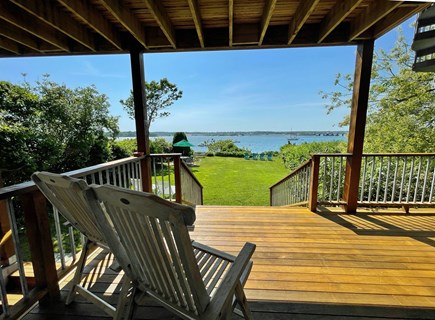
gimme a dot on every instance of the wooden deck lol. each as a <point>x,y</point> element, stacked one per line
<point>307,266</point>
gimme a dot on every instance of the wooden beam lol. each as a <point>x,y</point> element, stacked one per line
<point>159,13</point>
<point>340,11</point>
<point>33,25</point>
<point>51,14</point>
<point>396,18</point>
<point>127,19</point>
<point>269,7</point>
<point>10,31</point>
<point>375,12</point>
<point>87,13</point>
<point>9,45</point>
<point>141,116</point>
<point>358,115</point>
<point>301,15</point>
<point>196,16</point>
<point>230,22</point>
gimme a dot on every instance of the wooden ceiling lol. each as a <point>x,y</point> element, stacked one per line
<point>62,27</point>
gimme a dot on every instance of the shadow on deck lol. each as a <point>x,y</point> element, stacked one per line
<point>306,266</point>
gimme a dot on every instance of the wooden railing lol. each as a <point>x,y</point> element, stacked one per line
<point>25,203</point>
<point>191,188</point>
<point>293,189</point>
<point>173,180</point>
<point>386,180</point>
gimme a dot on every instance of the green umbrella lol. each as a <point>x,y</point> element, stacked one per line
<point>183,143</point>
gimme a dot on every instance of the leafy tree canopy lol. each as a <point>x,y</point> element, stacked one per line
<point>159,96</point>
<point>401,103</point>
<point>51,127</point>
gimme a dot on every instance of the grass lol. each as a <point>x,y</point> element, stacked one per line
<point>236,181</point>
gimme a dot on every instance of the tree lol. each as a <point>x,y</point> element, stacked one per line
<point>51,127</point>
<point>401,103</point>
<point>159,96</point>
<point>179,136</point>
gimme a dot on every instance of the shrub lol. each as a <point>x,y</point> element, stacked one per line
<point>294,155</point>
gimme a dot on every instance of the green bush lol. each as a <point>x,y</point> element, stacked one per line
<point>232,154</point>
<point>294,155</point>
<point>223,148</point>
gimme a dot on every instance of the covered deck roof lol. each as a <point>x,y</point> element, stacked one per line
<point>63,27</point>
<point>306,265</point>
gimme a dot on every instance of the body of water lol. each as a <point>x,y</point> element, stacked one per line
<point>256,143</point>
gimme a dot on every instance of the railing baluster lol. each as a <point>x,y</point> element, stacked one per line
<point>432,185</point>
<point>396,170</point>
<point>411,173</point>
<point>379,179</point>
<point>59,237</point>
<point>340,171</point>
<point>331,185</point>
<point>402,182</point>
<point>386,179</point>
<point>17,248</point>
<point>417,180</point>
<point>426,174</point>
<point>369,198</point>
<point>363,179</point>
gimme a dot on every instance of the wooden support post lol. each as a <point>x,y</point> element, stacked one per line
<point>314,183</point>
<point>41,245</point>
<point>177,174</point>
<point>141,116</point>
<point>361,88</point>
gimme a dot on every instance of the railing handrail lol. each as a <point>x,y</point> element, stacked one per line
<point>29,186</point>
<point>291,174</point>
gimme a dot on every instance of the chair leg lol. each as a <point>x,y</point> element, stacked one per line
<point>78,274</point>
<point>241,299</point>
<point>124,298</point>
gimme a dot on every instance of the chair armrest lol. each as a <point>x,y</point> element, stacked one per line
<point>224,294</point>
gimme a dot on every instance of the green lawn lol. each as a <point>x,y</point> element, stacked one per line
<point>236,181</point>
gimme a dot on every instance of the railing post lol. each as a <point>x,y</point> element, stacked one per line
<point>177,174</point>
<point>314,183</point>
<point>41,245</point>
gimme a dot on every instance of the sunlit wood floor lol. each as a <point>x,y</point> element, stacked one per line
<point>306,265</point>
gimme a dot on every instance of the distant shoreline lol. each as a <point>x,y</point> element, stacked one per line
<point>132,134</point>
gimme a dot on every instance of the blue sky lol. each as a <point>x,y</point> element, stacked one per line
<point>244,90</point>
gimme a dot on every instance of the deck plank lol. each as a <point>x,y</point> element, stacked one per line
<point>306,265</point>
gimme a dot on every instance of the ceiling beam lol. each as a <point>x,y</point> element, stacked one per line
<point>230,22</point>
<point>46,11</point>
<point>10,31</point>
<point>32,25</point>
<point>396,18</point>
<point>340,11</point>
<point>196,16</point>
<point>269,7</point>
<point>159,13</point>
<point>375,12</point>
<point>301,15</point>
<point>9,45</point>
<point>87,13</point>
<point>127,19</point>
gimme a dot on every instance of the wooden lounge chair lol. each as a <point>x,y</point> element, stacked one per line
<point>149,238</point>
<point>68,196</point>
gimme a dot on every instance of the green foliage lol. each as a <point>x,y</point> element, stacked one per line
<point>223,148</point>
<point>294,155</point>
<point>235,181</point>
<point>401,103</point>
<point>159,96</point>
<point>51,127</point>
<point>126,147</point>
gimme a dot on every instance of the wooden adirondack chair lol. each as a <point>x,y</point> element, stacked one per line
<point>149,238</point>
<point>68,196</point>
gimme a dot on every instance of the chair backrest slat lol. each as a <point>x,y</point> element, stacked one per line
<point>68,196</point>
<point>154,235</point>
